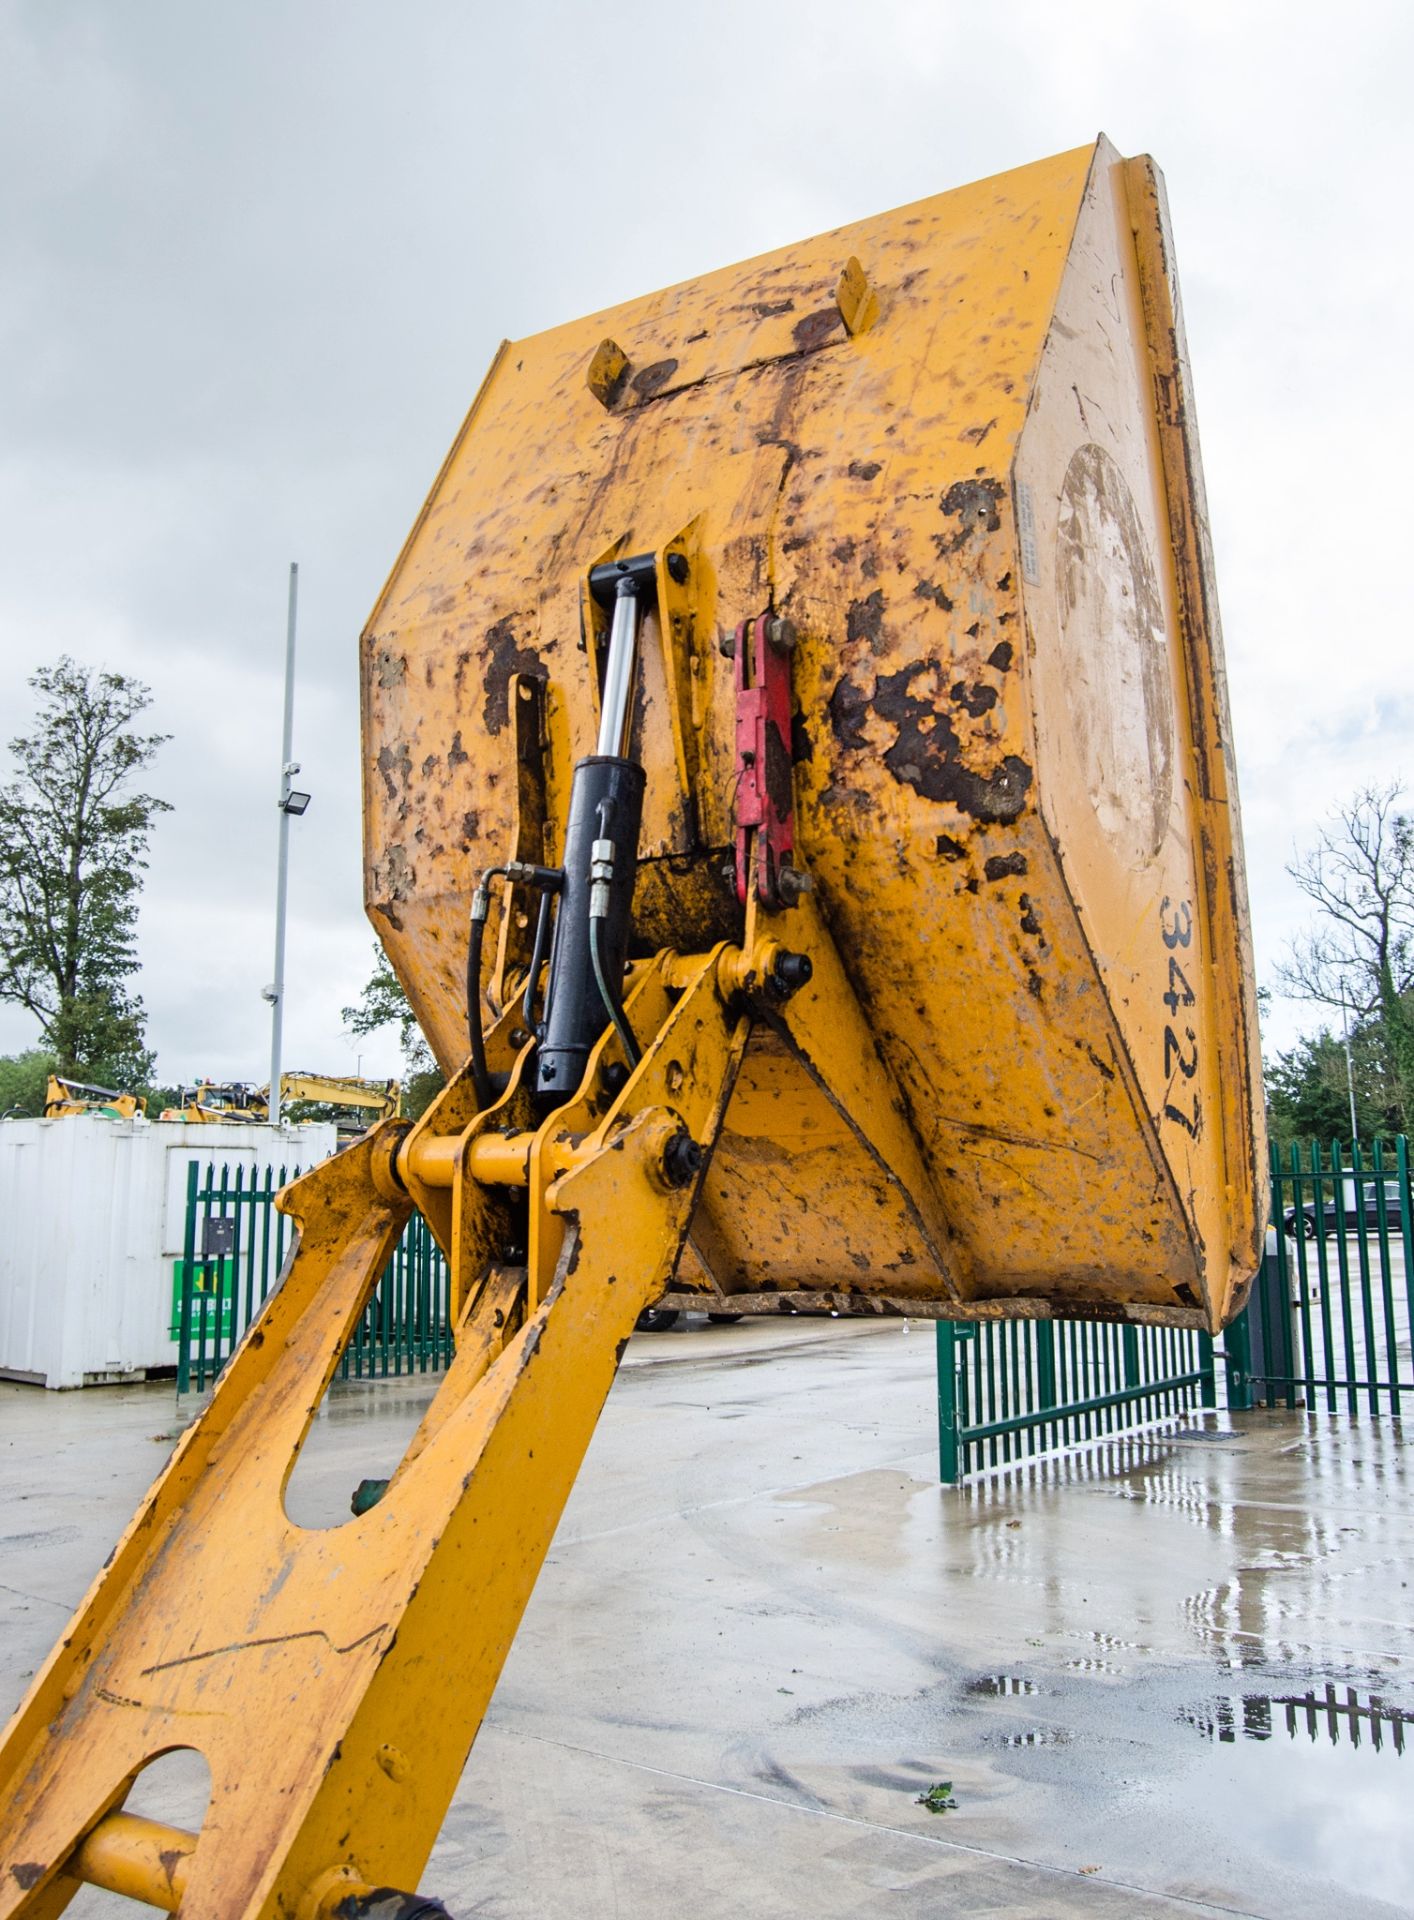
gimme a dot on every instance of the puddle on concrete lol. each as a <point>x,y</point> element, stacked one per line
<point>1320,1780</point>
<point>1035,1737</point>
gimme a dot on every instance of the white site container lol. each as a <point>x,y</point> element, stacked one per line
<point>92,1223</point>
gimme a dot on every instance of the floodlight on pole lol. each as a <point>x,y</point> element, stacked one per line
<point>291,803</point>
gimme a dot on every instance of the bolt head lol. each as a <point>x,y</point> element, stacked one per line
<point>780,634</point>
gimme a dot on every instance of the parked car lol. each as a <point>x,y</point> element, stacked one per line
<point>1309,1223</point>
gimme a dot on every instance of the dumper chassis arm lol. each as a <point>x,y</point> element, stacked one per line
<point>374,1647</point>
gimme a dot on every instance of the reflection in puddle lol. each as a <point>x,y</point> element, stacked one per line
<point>999,1686</point>
<point>1035,1737</point>
<point>1352,1721</point>
<point>1305,1774</point>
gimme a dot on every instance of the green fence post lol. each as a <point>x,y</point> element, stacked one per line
<point>1130,1337</point>
<point>1208,1386</point>
<point>1237,1347</point>
<point>1046,1377</point>
<point>188,1280</point>
<point>947,1404</point>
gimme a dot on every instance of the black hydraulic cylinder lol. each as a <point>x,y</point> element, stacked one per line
<point>606,804</point>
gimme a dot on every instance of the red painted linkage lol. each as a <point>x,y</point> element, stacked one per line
<point>764,796</point>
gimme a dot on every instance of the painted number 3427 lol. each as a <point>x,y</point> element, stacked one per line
<point>1184,1109</point>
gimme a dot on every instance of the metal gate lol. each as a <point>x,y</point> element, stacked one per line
<point>234,1252</point>
<point>1009,1390</point>
<point>1327,1330</point>
<point>1328,1325</point>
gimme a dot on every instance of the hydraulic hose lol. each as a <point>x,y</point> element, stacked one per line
<point>480,1078</point>
<point>537,959</point>
<point>612,1005</point>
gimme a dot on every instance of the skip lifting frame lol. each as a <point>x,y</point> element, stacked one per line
<point>563,1210</point>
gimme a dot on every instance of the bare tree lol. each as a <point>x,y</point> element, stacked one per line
<point>1360,877</point>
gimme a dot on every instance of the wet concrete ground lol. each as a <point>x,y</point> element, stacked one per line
<point>1172,1675</point>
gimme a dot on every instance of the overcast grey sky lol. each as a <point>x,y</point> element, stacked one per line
<point>257,257</point>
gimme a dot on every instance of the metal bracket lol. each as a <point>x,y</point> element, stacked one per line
<point>765,793</point>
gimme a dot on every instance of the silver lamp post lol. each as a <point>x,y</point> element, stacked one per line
<point>292,803</point>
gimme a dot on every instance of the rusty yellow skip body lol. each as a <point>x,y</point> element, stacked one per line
<point>875,574</point>
<point>984,515</point>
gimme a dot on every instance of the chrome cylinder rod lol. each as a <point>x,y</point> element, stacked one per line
<point>616,714</point>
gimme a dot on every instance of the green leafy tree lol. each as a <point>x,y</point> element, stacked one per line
<point>24,1079</point>
<point>384,1004</point>
<point>73,849</point>
<point>1308,1089</point>
<point>1359,957</point>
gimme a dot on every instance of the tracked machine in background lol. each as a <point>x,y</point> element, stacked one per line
<point>796,739</point>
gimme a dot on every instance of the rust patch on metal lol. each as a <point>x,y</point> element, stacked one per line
<point>395,764</point>
<point>927,754</point>
<point>975,505</point>
<point>390,669</point>
<point>947,848</point>
<point>1002,864</point>
<point>930,590</point>
<point>864,469</point>
<point>398,873</point>
<point>975,699</point>
<point>457,755</point>
<point>816,328</point>
<point>849,709</point>
<point>505,656</point>
<point>865,619</point>
<point>1002,656</point>
<point>653,379</point>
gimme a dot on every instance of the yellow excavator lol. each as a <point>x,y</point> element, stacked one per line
<point>799,805</point>
<point>63,1099</point>
<point>233,1101</point>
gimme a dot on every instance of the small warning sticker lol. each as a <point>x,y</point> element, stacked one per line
<point>1026,534</point>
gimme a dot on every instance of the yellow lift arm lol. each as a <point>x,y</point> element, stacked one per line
<point>217,1101</point>
<point>65,1098</point>
<point>797,766</point>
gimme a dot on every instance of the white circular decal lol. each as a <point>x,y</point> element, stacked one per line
<point>1117,672</point>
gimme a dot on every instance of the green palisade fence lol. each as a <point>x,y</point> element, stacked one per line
<point>1011,1390</point>
<point>234,1252</point>
<point>1327,1328</point>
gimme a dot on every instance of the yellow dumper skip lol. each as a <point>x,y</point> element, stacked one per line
<point>983,514</point>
